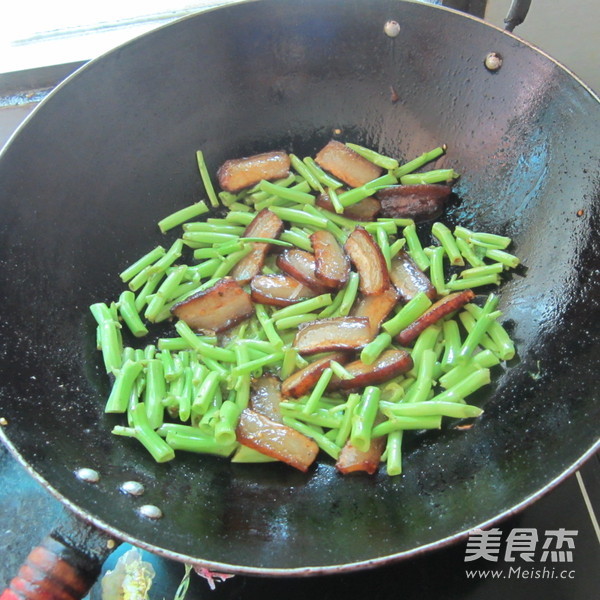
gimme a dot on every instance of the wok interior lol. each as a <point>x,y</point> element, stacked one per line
<point>112,151</point>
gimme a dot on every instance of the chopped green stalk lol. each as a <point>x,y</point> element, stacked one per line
<point>505,346</point>
<point>508,260</point>
<point>256,194</point>
<point>169,369</point>
<point>297,239</point>
<point>414,247</point>
<point>286,193</point>
<point>200,443</point>
<point>465,387</point>
<point>200,239</point>
<point>139,265</point>
<point>205,393</point>
<point>325,179</point>
<point>397,246</point>
<point>208,186</point>
<point>173,344</point>
<point>345,428</point>
<point>155,392</point>
<point>253,365</point>
<point>335,201</point>
<point>205,269</point>
<point>385,162</point>
<point>423,384</point>
<point>229,414</point>
<point>149,352</point>
<point>483,359</point>
<point>145,434</point>
<point>299,217</point>
<point>384,245</point>
<point>228,199</point>
<point>101,313</point>
<point>147,290</point>
<point>355,195</point>
<point>294,321</point>
<point>455,410</point>
<point>183,215</point>
<point>364,418</point>
<point>482,324</point>
<point>305,173</point>
<point>305,306</point>
<point>469,253</point>
<point>195,341</point>
<point>309,431</point>
<point>172,254</point>
<point>436,268</point>
<point>288,365</point>
<point>236,216</point>
<point>318,391</point>
<point>112,345</point>
<point>244,454</point>
<point>164,292</point>
<point>419,162</point>
<point>206,227</point>
<point>334,306</point>
<point>387,226</point>
<point>482,271</point>
<point>492,240</point>
<point>228,263</point>
<point>446,239</point>
<point>340,235</point>
<point>321,417</point>
<point>219,250</point>
<point>130,315</point>
<point>370,353</point>
<point>393,451</point>
<point>267,241</point>
<point>472,282</point>
<point>452,344</point>
<point>185,398</point>
<point>411,311</point>
<point>406,423</point>
<point>437,176</point>
<point>118,399</point>
<point>427,340</point>
<point>468,321</point>
<point>350,293</point>
<point>340,371</point>
<point>267,325</point>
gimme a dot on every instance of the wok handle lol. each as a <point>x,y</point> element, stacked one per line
<point>54,570</point>
<point>516,13</point>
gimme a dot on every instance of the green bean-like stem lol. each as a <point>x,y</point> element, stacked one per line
<point>355,195</point>
<point>364,418</point>
<point>384,245</point>
<point>452,344</point>
<point>385,162</point>
<point>112,346</point>
<point>230,261</point>
<point>487,240</point>
<point>186,396</point>
<point>482,324</point>
<point>145,434</point>
<point>419,391</point>
<point>321,417</point>
<point>263,240</point>
<point>325,179</point>
<point>147,290</point>
<point>300,217</point>
<point>419,162</point>
<point>455,410</point>
<point>130,315</point>
<point>172,254</point>
<point>343,433</point>
<point>334,306</point>
<point>195,341</point>
<point>405,424</point>
<point>459,391</point>
<point>201,239</point>
<point>484,359</point>
<point>411,311</point>
<point>101,312</point>
<point>472,282</point>
<point>393,451</point>
<point>118,399</point>
<point>236,216</point>
<point>297,239</point>
<point>437,176</point>
<point>286,193</point>
<point>397,246</point>
<point>499,335</point>
<point>508,260</point>
<point>427,340</point>
<point>244,454</point>
<point>258,363</point>
<point>164,291</point>
<point>267,325</point>
<point>468,321</point>
<point>288,365</point>
<point>155,392</point>
<point>218,250</point>
<point>349,297</point>
<point>446,239</point>
<point>199,443</point>
<point>208,186</point>
<point>370,353</point>
<point>484,270</point>
<point>436,268</point>
<point>414,247</point>
<point>318,391</point>
<point>306,173</point>
<point>340,371</point>
<point>294,321</point>
<point>305,306</point>
<point>335,201</point>
<point>469,253</point>
<point>140,264</point>
<point>183,215</point>
<point>229,414</point>
<point>205,393</point>
<point>309,431</point>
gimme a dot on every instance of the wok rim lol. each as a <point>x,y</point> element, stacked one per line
<point>305,571</point>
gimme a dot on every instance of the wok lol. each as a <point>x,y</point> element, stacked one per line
<point>111,151</point>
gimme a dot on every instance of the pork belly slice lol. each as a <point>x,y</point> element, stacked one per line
<point>352,459</point>
<point>376,307</point>
<point>301,265</point>
<point>433,314</point>
<point>390,364</point>
<point>408,279</point>
<point>239,173</point>
<point>302,382</point>
<point>420,202</point>
<point>265,225</point>
<point>365,210</point>
<point>366,256</point>
<point>266,396</point>
<point>279,290</point>
<point>346,164</point>
<point>337,333</point>
<point>276,440</point>
<point>332,266</point>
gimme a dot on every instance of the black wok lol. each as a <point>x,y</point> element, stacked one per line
<point>111,151</point>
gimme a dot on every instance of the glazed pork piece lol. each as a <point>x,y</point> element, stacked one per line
<point>239,173</point>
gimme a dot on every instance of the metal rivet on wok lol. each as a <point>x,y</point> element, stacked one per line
<point>88,475</point>
<point>150,511</point>
<point>493,61</point>
<point>133,488</point>
<point>391,28</point>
